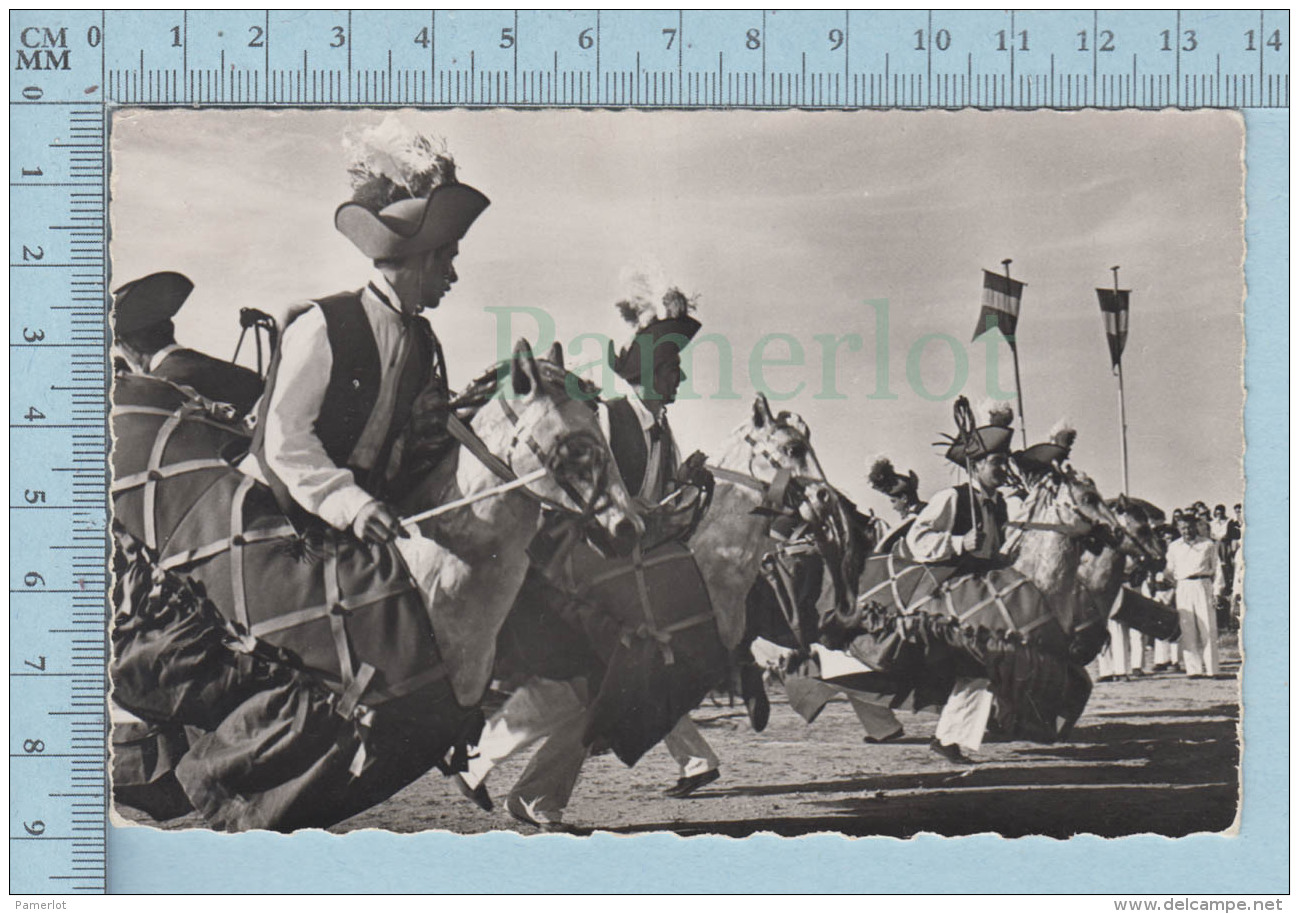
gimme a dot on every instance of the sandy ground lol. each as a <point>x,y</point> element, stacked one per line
<point>1158,754</point>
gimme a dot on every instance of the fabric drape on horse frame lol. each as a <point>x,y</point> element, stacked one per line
<point>641,630</point>
<point>305,659</point>
<point>920,627</point>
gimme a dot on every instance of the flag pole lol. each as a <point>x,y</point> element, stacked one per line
<point>1014,354</point>
<point>1123,411</point>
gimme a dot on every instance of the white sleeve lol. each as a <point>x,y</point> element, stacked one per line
<point>1219,579</point>
<point>930,538</point>
<point>293,451</point>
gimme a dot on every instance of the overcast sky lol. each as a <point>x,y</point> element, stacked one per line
<point>786,223</point>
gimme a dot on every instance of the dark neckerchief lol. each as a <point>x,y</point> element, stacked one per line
<point>406,319</point>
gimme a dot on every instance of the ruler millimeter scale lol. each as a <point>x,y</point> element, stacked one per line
<point>68,69</point>
<point>752,58</point>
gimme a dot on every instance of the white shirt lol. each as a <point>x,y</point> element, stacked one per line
<point>1194,560</point>
<point>292,449</point>
<point>653,461</point>
<point>930,538</point>
<point>160,356</point>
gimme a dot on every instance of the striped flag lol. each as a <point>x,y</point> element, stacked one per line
<point>1114,309</point>
<point>1001,296</point>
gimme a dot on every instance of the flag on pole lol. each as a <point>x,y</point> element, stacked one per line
<point>1114,308</point>
<point>1001,296</point>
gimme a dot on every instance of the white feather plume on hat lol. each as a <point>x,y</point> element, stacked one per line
<point>650,298</point>
<point>996,412</point>
<point>390,161</point>
<point>1063,433</point>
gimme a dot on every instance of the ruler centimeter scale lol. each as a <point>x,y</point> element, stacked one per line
<point>69,68</point>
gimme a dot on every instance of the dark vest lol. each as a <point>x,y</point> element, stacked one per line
<point>630,452</point>
<point>353,389</point>
<point>627,442</point>
<point>965,520</point>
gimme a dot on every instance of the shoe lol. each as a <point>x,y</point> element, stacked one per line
<point>684,787</point>
<point>1160,667</point>
<point>1136,674</point>
<point>949,751</point>
<point>874,740</point>
<point>528,814</point>
<point>476,795</point>
<point>754,693</point>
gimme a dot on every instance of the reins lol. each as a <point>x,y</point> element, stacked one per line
<point>1113,526</point>
<point>469,439</point>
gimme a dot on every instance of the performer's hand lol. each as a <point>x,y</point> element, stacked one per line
<point>377,523</point>
<point>693,472</point>
<point>971,542</point>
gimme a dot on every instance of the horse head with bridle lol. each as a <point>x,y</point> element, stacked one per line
<point>1066,526</point>
<point>396,641</point>
<point>533,438</point>
<point>779,539</point>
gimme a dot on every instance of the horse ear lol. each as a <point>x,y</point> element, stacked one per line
<point>556,354</point>
<point>523,369</point>
<point>761,411</point>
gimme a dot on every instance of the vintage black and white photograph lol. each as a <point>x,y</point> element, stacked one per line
<point>707,472</point>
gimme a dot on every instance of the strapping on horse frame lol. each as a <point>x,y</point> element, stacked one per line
<point>923,626</point>
<point>304,658</point>
<point>639,629</point>
<point>351,612</point>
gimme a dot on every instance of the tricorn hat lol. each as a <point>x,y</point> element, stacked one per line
<point>991,438</point>
<point>406,198</point>
<point>149,300</point>
<point>663,330</point>
<point>1044,455</point>
<point>883,478</point>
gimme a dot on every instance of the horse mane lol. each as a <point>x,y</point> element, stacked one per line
<point>860,536</point>
<point>1139,508</point>
<point>483,388</point>
<point>427,442</point>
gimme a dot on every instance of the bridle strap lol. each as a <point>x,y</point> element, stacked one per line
<point>469,439</point>
<point>736,478</point>
<point>1064,529</point>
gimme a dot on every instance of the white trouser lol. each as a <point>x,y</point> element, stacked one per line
<point>540,709</point>
<point>965,716</point>
<point>1199,626</point>
<point>1167,652</point>
<point>554,711</point>
<point>878,721</point>
<point>1124,653</point>
<point>688,747</point>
